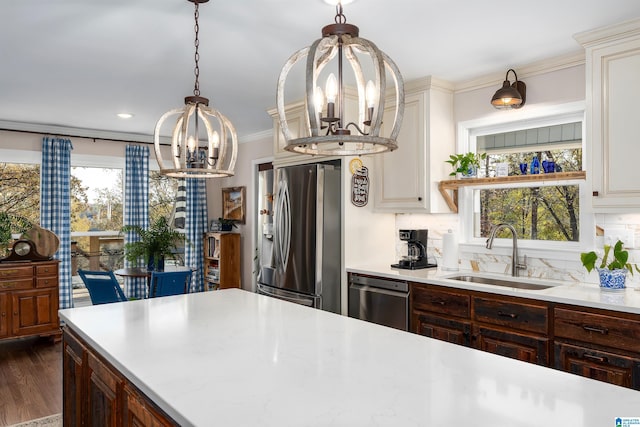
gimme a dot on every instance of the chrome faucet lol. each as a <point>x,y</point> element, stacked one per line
<point>515,265</point>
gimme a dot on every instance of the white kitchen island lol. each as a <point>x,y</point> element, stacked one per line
<point>234,358</point>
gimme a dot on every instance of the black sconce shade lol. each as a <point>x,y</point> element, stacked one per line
<point>510,95</point>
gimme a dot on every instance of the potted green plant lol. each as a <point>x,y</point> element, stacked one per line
<point>227,224</point>
<point>466,164</point>
<point>612,274</point>
<point>11,224</point>
<point>155,244</point>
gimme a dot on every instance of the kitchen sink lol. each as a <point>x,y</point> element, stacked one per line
<point>500,282</point>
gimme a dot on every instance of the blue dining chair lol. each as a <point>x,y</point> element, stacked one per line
<point>103,286</point>
<point>165,283</point>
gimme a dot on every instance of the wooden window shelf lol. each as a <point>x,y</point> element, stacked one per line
<point>453,184</point>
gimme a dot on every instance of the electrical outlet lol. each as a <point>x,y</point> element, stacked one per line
<point>613,234</point>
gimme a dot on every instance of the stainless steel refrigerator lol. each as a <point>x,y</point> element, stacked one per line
<point>306,253</point>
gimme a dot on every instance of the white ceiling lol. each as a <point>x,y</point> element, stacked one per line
<point>76,63</point>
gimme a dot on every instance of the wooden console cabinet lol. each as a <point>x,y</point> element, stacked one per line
<point>96,394</point>
<point>29,299</point>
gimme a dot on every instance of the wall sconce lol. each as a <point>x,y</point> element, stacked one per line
<point>510,95</point>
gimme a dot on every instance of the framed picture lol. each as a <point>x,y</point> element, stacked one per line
<point>233,204</point>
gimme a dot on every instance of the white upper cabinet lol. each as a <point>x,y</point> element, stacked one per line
<point>297,120</point>
<point>406,180</point>
<point>612,119</point>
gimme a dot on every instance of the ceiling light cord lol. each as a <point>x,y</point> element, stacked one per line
<point>196,56</point>
<point>340,18</point>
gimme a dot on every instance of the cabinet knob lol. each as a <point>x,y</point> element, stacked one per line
<point>419,199</point>
<point>595,194</point>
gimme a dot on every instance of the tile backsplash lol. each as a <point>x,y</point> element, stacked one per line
<point>554,265</point>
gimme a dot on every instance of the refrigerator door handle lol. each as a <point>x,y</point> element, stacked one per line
<point>283,224</point>
<point>265,291</point>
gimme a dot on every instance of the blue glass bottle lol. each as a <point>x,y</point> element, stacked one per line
<point>535,166</point>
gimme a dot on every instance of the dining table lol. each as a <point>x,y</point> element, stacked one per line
<point>140,272</point>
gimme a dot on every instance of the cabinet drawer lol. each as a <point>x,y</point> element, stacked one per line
<point>16,272</point>
<point>520,346</point>
<point>47,270</point>
<point>600,329</point>
<point>46,282</point>
<point>440,301</point>
<point>7,285</point>
<point>598,365</point>
<point>517,315</point>
<point>447,329</point>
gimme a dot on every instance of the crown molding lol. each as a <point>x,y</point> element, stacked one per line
<point>536,68</point>
<point>626,29</point>
<point>257,136</point>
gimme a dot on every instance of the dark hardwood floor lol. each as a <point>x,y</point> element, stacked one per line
<point>30,379</point>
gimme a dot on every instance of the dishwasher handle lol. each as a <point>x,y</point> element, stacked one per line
<point>390,284</point>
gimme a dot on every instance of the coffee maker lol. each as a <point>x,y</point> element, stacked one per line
<point>416,257</point>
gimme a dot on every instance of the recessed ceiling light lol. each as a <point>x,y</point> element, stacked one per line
<point>125,115</point>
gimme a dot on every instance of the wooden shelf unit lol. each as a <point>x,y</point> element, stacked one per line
<point>454,184</point>
<point>222,261</point>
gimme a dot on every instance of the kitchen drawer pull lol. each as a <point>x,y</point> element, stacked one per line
<point>595,358</point>
<point>603,331</point>
<point>510,315</point>
<point>438,302</point>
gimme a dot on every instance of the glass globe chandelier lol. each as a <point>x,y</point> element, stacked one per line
<point>342,121</point>
<point>204,143</point>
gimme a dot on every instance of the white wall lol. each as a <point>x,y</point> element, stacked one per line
<point>248,152</point>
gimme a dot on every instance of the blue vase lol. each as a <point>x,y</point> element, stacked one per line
<point>612,280</point>
<point>153,266</point>
<point>535,166</point>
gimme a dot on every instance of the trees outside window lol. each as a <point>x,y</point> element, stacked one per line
<point>537,211</point>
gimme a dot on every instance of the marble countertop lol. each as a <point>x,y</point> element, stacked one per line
<point>582,294</point>
<point>236,358</point>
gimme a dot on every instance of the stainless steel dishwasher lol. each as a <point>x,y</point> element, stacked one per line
<point>377,300</point>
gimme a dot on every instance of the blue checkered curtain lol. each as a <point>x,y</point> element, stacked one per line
<point>196,225</point>
<point>136,207</point>
<point>55,206</point>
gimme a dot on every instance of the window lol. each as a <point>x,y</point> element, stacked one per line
<point>96,199</point>
<point>546,211</point>
<point>20,190</point>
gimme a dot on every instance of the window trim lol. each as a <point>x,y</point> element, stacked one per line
<point>468,132</point>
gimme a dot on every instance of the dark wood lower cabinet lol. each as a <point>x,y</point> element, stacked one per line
<point>104,393</point>
<point>525,347</point>
<point>96,394</point>
<point>73,363</point>
<point>595,343</point>
<point>598,365</point>
<point>138,412</point>
<point>446,329</point>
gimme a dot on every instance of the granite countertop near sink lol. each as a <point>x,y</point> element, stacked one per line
<point>582,294</point>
